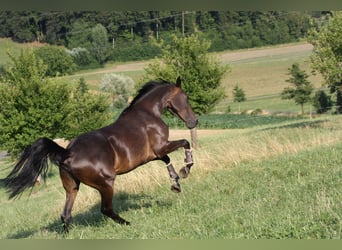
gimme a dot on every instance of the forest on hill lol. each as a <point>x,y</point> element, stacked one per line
<point>134,35</point>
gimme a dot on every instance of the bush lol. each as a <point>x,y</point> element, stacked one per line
<point>119,87</point>
<point>57,60</point>
<point>134,51</point>
<point>321,102</point>
<point>83,59</point>
<point>32,106</point>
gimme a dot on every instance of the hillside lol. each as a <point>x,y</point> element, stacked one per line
<point>261,72</point>
<point>269,181</point>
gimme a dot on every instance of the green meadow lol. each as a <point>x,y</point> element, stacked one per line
<point>275,181</point>
<point>255,176</point>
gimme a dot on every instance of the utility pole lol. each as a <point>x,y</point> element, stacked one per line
<point>183,23</point>
<point>113,42</point>
<point>157,25</point>
<point>132,32</point>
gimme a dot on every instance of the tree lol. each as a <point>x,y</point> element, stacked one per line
<point>85,111</point>
<point>33,106</point>
<point>80,35</point>
<point>301,92</point>
<point>120,88</point>
<point>27,102</point>
<point>201,74</point>
<point>82,86</point>
<point>327,53</point>
<point>239,95</point>
<point>99,42</point>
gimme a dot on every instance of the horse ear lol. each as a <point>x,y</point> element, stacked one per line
<point>179,82</point>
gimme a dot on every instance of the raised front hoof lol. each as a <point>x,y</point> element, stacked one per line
<point>176,188</point>
<point>184,172</point>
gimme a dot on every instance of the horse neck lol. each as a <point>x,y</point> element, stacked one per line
<point>153,102</point>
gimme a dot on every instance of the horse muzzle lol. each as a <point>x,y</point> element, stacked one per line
<point>192,123</point>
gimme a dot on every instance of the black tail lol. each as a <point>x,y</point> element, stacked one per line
<point>32,163</point>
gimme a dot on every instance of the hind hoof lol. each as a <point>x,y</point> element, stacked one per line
<point>120,220</point>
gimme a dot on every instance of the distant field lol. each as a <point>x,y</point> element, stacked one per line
<point>8,46</point>
<point>264,77</point>
<point>261,72</point>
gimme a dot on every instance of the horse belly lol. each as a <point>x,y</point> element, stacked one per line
<point>131,157</point>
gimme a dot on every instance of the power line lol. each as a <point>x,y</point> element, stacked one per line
<point>134,22</point>
<point>182,15</point>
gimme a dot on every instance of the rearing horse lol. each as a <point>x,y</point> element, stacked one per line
<point>95,158</point>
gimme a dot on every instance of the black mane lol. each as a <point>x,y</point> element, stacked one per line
<point>148,87</point>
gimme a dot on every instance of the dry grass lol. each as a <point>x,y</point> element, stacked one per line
<point>221,149</point>
<point>224,149</point>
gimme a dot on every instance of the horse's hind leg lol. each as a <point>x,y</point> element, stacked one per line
<point>106,191</point>
<point>71,187</point>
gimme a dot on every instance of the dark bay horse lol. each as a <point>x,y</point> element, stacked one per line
<point>95,158</point>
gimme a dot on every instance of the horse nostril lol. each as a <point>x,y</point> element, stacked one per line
<point>192,123</point>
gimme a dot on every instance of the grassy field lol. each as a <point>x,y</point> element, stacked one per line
<point>8,46</point>
<point>269,177</point>
<point>279,180</point>
<point>262,77</point>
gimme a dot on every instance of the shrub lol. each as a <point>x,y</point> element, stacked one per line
<point>321,102</point>
<point>119,87</point>
<point>134,51</point>
<point>57,60</point>
<point>82,58</point>
<point>33,106</point>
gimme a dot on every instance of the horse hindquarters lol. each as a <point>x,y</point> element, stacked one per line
<point>94,166</point>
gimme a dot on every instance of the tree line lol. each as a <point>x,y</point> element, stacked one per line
<point>131,35</point>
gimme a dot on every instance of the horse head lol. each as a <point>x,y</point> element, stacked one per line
<point>178,104</point>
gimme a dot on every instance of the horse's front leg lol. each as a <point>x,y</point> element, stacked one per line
<point>175,186</point>
<point>185,171</point>
<point>170,147</point>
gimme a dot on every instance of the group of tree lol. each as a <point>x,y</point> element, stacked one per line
<point>97,37</point>
<point>326,59</point>
<point>32,105</point>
